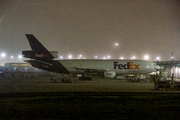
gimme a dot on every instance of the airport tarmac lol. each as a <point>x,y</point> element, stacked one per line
<point>19,85</point>
<point>99,99</point>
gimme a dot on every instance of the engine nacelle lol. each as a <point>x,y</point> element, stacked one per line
<point>40,54</point>
<point>109,74</point>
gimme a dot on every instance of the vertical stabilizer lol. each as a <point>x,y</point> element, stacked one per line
<point>38,50</point>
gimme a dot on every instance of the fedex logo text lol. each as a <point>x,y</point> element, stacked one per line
<point>129,65</point>
<point>40,55</point>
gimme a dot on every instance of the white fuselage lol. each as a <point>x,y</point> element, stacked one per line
<point>118,66</point>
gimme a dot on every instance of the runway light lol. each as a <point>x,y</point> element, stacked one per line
<point>122,58</point>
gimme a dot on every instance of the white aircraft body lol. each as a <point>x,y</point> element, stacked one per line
<point>41,58</point>
<point>117,66</point>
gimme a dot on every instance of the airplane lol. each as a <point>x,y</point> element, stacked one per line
<point>43,59</point>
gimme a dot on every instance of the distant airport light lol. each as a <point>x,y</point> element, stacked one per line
<point>61,57</point>
<point>116,44</point>
<point>70,56</point>
<point>146,57</point>
<point>12,57</point>
<point>3,55</point>
<point>84,57</point>
<point>95,56</point>
<point>158,58</point>
<point>20,56</point>
<point>80,56</point>
<point>122,58</point>
<point>104,57</point>
<point>108,56</point>
<point>133,57</point>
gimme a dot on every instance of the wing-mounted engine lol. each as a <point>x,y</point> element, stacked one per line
<point>40,54</point>
<point>109,74</point>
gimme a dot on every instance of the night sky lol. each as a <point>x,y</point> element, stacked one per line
<point>92,27</point>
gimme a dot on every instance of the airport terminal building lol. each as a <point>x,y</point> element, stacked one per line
<point>22,70</point>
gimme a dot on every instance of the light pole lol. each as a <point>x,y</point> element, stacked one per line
<point>116,44</point>
<point>172,56</point>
